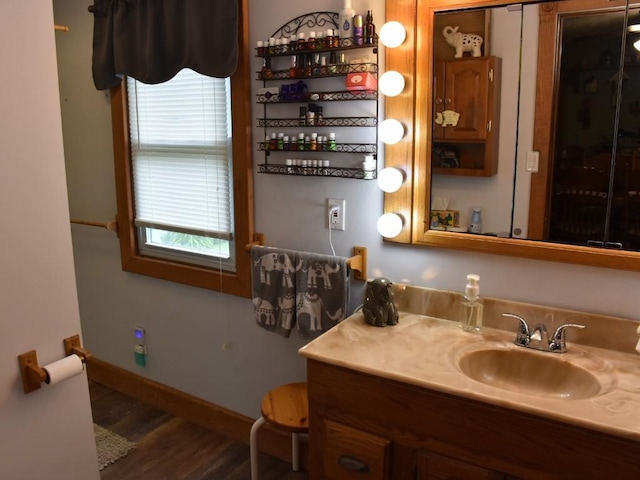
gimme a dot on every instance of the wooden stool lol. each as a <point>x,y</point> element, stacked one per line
<point>285,407</point>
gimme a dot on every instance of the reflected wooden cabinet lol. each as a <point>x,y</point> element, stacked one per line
<point>362,426</point>
<point>466,116</point>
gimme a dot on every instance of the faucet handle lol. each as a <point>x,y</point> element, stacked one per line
<point>558,343</point>
<point>523,336</point>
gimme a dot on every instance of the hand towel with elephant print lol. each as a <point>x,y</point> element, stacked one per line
<point>273,284</point>
<point>322,292</point>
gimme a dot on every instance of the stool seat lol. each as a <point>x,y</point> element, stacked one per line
<point>285,407</point>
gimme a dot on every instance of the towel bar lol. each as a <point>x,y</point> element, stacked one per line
<point>258,239</point>
<point>357,263</point>
<point>112,225</point>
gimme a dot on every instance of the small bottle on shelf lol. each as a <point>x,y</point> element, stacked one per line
<point>369,29</point>
<point>311,115</point>
<point>301,43</point>
<point>301,144</point>
<point>368,167</point>
<point>273,142</point>
<point>312,43</point>
<point>328,38</point>
<point>293,68</point>
<point>272,46</point>
<point>319,120</point>
<point>322,143</point>
<point>331,143</point>
<point>343,66</point>
<point>333,63</point>
<point>267,142</point>
<point>260,48</point>
<point>308,70</point>
<point>266,68</point>
<point>323,66</point>
<point>358,30</point>
<point>313,142</point>
<point>280,141</point>
<point>303,116</point>
<point>315,64</point>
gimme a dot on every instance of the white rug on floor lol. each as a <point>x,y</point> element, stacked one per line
<point>111,446</point>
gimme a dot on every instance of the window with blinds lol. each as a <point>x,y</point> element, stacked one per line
<point>181,153</point>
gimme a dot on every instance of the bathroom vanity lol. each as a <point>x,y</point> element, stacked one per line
<point>399,403</point>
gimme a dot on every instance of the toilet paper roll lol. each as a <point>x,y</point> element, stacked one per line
<point>63,369</point>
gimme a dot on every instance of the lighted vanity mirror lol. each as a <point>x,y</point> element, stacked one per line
<point>562,101</point>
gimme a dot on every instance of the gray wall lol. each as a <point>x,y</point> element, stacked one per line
<point>187,326</point>
<point>47,433</point>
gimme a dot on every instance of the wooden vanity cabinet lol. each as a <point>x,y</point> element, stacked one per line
<point>468,87</point>
<point>367,427</point>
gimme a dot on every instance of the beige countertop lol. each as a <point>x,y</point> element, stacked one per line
<point>424,351</point>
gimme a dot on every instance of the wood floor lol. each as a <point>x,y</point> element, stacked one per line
<point>169,448</point>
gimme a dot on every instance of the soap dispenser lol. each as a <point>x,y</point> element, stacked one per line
<point>471,320</point>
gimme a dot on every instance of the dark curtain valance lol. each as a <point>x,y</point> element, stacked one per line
<point>152,40</point>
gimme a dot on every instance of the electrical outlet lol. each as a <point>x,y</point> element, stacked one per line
<point>336,214</point>
<point>140,348</point>
<point>533,159</point>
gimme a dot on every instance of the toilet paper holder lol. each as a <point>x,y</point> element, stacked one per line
<point>33,375</point>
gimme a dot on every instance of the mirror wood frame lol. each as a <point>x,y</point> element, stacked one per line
<point>412,154</point>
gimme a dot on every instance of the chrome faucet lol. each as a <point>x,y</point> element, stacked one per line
<point>538,338</point>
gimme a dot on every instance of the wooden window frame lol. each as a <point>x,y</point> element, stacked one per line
<point>238,283</point>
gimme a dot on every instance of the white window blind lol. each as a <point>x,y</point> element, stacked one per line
<point>181,151</point>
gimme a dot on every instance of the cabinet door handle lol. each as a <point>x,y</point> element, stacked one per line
<point>352,463</point>
<point>438,100</point>
<point>447,101</point>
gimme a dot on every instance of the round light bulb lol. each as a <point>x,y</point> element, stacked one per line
<point>391,83</point>
<point>391,131</point>
<point>390,179</point>
<point>390,225</point>
<point>636,45</point>
<point>392,34</point>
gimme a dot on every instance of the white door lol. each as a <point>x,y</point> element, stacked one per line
<point>46,434</point>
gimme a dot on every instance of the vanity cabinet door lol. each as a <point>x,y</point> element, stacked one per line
<point>352,453</point>
<point>432,466</point>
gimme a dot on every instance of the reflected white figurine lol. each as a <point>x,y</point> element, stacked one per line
<point>463,42</point>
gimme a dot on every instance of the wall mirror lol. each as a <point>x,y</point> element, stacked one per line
<point>547,149</point>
